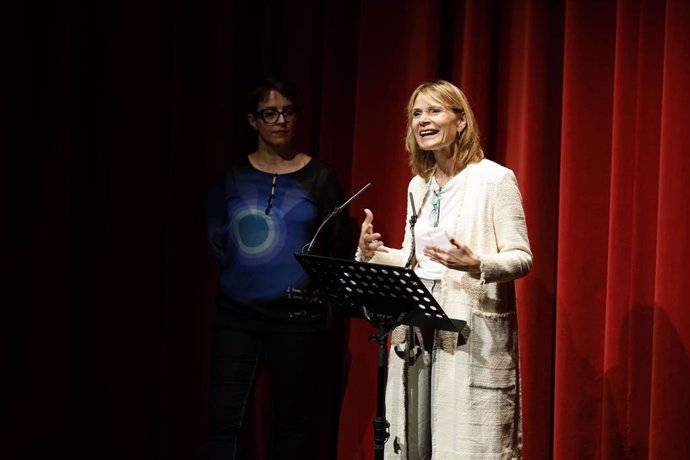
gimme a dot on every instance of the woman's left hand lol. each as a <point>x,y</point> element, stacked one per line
<point>456,257</point>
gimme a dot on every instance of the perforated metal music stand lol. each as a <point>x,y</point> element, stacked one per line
<point>387,297</point>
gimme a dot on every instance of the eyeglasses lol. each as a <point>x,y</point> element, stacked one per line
<point>435,207</point>
<point>271,116</point>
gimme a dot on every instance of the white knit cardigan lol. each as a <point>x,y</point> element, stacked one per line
<point>473,407</point>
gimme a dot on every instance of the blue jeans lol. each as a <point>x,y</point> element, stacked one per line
<point>292,359</point>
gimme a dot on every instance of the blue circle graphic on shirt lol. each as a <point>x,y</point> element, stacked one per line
<point>256,233</point>
<point>260,263</point>
<point>264,267</point>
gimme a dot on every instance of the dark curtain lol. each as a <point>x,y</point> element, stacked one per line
<point>118,115</point>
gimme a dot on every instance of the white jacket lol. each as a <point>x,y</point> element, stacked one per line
<point>474,407</point>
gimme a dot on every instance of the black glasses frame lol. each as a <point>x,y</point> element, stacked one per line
<point>289,115</point>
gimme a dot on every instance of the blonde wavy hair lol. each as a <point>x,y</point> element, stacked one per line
<point>467,149</point>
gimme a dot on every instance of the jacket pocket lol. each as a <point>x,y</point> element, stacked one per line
<point>492,350</point>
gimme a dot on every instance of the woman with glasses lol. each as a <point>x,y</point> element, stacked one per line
<point>456,395</point>
<point>267,207</point>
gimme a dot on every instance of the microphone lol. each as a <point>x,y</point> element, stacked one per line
<point>413,217</point>
<point>413,220</point>
<point>335,211</point>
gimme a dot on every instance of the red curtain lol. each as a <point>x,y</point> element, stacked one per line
<point>123,113</point>
<point>587,102</point>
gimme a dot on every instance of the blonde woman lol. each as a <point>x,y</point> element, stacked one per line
<point>450,395</point>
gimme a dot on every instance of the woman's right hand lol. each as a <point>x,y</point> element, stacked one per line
<point>369,242</point>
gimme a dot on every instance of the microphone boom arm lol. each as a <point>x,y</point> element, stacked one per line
<point>335,211</point>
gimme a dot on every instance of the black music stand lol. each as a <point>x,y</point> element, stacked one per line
<point>387,297</point>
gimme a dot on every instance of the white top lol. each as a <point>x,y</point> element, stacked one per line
<point>450,201</point>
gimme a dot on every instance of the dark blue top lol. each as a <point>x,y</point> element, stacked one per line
<point>257,221</point>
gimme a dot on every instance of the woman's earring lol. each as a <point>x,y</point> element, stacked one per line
<point>459,133</point>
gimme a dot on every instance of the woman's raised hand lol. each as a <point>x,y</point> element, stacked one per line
<point>368,240</point>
